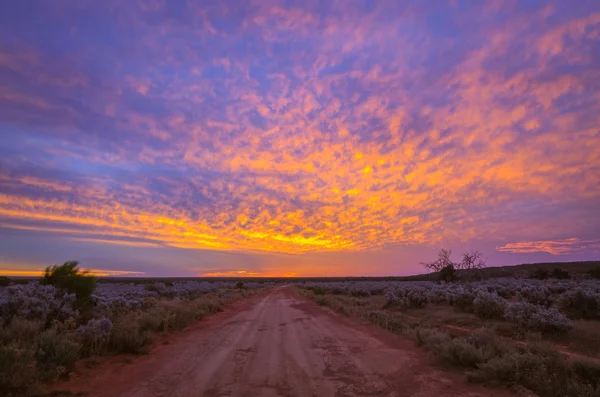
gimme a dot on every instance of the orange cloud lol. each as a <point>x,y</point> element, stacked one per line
<point>336,132</point>
<point>554,247</point>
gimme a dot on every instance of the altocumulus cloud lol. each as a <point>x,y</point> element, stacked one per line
<point>302,126</point>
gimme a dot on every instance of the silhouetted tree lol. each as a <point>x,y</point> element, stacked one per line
<point>448,274</point>
<point>441,262</point>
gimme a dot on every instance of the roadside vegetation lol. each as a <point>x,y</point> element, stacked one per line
<point>532,333</point>
<point>47,325</point>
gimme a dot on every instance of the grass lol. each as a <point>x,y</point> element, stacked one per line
<point>484,353</point>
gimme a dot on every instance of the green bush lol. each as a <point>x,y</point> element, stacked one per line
<point>68,277</point>
<point>319,291</point>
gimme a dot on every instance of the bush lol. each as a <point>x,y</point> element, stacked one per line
<point>541,370</point>
<point>239,285</point>
<point>68,277</point>
<point>20,330</point>
<point>471,351</point>
<point>95,335</point>
<point>560,274</point>
<point>594,273</point>
<point>540,274</point>
<point>463,300</point>
<point>580,303</point>
<point>127,337</point>
<point>4,281</point>
<point>18,369</point>
<point>56,354</point>
<point>489,305</point>
<point>536,318</point>
<point>319,291</point>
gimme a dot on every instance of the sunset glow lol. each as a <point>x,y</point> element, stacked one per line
<point>297,134</point>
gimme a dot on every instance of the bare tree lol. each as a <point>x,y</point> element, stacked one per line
<point>441,262</point>
<point>472,262</point>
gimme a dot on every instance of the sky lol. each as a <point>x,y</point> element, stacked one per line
<point>308,138</point>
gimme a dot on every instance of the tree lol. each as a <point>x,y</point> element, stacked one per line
<point>443,265</point>
<point>472,263</point>
<point>441,262</point>
<point>69,278</point>
<point>448,274</point>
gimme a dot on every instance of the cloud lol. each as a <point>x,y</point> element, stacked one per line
<point>302,127</point>
<point>557,247</point>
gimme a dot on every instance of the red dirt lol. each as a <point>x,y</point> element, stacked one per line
<point>276,344</point>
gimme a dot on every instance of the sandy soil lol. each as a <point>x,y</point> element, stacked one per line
<point>277,344</point>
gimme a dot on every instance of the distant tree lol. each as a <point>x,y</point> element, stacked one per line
<point>443,265</point>
<point>441,262</point>
<point>472,263</point>
<point>560,274</point>
<point>540,274</point>
<point>69,278</point>
<point>448,274</point>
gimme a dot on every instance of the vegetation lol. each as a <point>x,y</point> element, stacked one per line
<point>46,326</point>
<point>69,278</point>
<point>510,333</point>
<point>470,265</point>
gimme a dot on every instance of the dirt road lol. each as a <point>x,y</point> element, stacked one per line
<point>277,344</point>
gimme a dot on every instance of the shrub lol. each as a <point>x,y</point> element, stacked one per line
<point>56,354</point>
<point>95,335</point>
<point>20,330</point>
<point>127,337</point>
<point>464,301</point>
<point>542,370</point>
<point>239,285</point>
<point>594,273</point>
<point>489,305</point>
<point>560,274</point>
<point>580,303</point>
<point>17,369</point>
<point>68,277</point>
<point>4,281</point>
<point>416,298</point>
<point>471,351</point>
<point>536,318</point>
<point>319,291</point>
<point>540,274</point>
<point>536,294</point>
